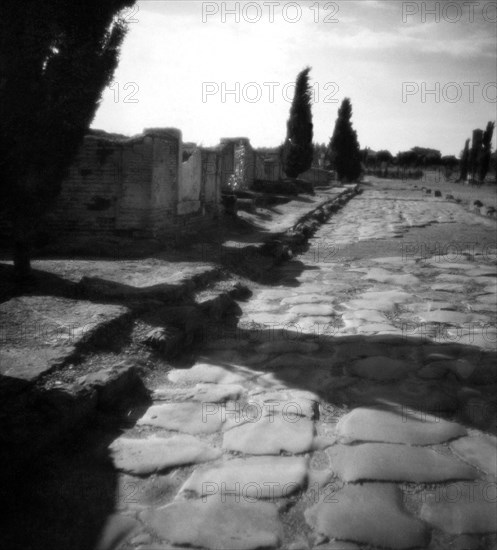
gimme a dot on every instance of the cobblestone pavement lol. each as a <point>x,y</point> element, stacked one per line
<point>353,406</point>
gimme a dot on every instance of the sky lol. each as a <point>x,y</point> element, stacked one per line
<point>417,73</point>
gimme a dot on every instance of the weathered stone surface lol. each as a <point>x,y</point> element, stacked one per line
<point>291,404</point>
<point>187,417</point>
<point>308,299</point>
<point>309,310</point>
<point>249,478</point>
<point>369,315</point>
<point>383,276</point>
<point>116,531</point>
<point>207,393</point>
<point>205,372</point>
<point>369,514</point>
<point>463,508</point>
<point>479,451</point>
<point>401,426</point>
<point>385,462</point>
<point>450,317</point>
<point>433,371</point>
<point>287,346</point>
<point>379,368</point>
<point>416,399</point>
<point>153,454</point>
<point>214,524</point>
<point>270,435</point>
<point>40,332</point>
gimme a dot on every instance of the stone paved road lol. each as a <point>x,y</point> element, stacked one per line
<point>354,405</point>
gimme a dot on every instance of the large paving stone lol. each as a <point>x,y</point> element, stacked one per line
<point>40,332</point>
<point>384,276</point>
<point>479,451</point>
<point>207,373</point>
<point>450,317</point>
<point>153,454</point>
<point>269,435</point>
<point>187,417</point>
<point>207,393</point>
<point>292,403</point>
<point>116,530</point>
<point>217,524</point>
<point>379,368</point>
<point>462,508</point>
<point>397,426</point>
<point>371,513</point>
<point>308,299</point>
<point>266,477</point>
<point>309,310</point>
<point>387,462</point>
<point>369,315</point>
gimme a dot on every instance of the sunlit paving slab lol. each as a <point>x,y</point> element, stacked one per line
<point>206,393</point>
<point>266,477</point>
<point>188,417</point>
<point>271,434</point>
<point>394,462</point>
<point>153,454</point>
<point>464,507</point>
<point>292,403</point>
<point>207,373</point>
<point>451,317</point>
<point>217,523</point>
<point>309,310</point>
<point>307,299</point>
<point>383,276</point>
<point>371,513</point>
<point>401,426</point>
<point>478,451</point>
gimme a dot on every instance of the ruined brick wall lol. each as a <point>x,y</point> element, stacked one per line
<point>191,183</point>
<point>211,178</point>
<point>136,187</point>
<point>89,199</point>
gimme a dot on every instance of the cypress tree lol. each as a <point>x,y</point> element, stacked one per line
<point>463,174</point>
<point>56,58</point>
<point>484,160</point>
<point>297,150</point>
<point>344,146</point>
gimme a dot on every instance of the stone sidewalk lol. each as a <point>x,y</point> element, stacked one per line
<point>353,405</point>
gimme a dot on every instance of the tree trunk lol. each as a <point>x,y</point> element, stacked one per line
<point>22,248</point>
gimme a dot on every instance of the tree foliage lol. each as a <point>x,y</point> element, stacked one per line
<point>297,151</point>
<point>486,150</point>
<point>464,166</point>
<point>56,57</point>
<point>344,148</point>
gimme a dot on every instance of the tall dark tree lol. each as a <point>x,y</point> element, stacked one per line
<point>297,151</point>
<point>484,157</point>
<point>56,58</point>
<point>464,169</point>
<point>344,146</point>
